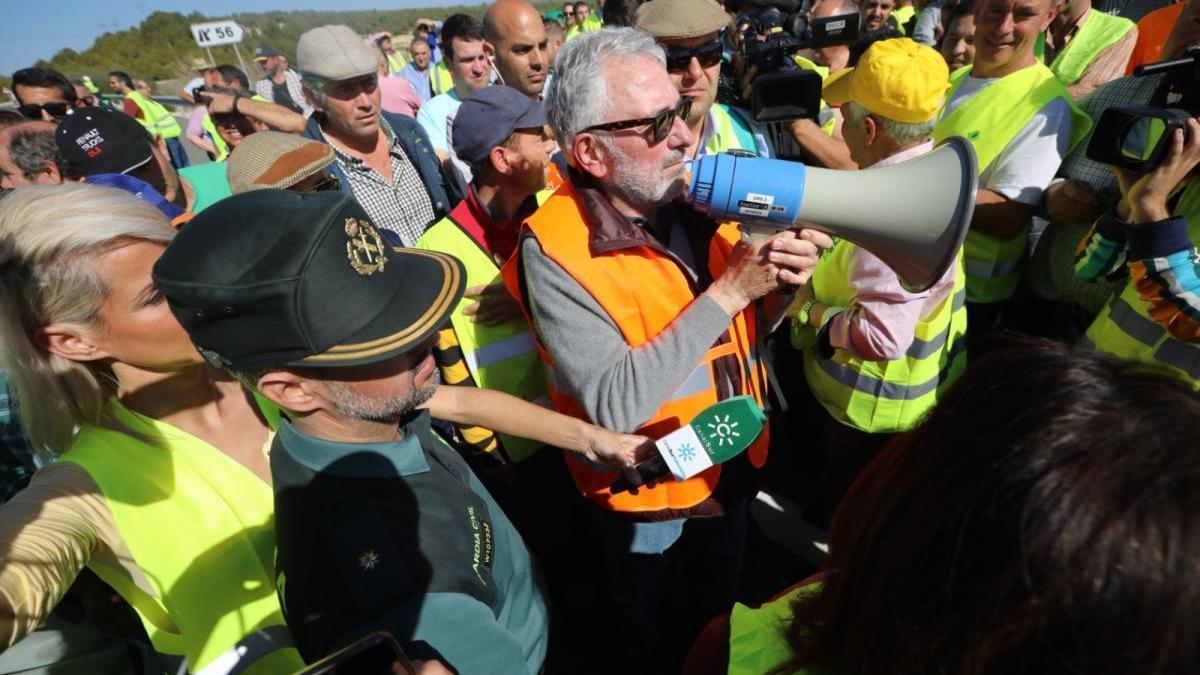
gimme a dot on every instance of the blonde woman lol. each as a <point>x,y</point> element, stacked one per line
<point>162,482</point>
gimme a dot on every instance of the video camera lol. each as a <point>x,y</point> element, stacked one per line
<point>781,90</point>
<point>1138,138</point>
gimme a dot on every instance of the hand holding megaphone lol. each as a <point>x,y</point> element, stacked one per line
<point>757,267</point>
<point>719,433</point>
<point>913,216</point>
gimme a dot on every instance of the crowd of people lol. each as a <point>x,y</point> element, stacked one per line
<point>381,362</point>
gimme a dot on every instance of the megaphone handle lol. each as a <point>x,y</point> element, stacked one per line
<point>752,232</point>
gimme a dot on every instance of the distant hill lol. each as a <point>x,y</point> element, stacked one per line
<point>161,47</point>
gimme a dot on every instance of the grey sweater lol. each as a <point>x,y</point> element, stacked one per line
<point>618,386</point>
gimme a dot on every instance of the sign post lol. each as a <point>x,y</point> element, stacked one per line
<point>217,33</point>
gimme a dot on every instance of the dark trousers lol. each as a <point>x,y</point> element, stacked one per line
<point>848,452</point>
<point>661,600</point>
<point>179,158</point>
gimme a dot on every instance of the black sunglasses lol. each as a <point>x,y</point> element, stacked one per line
<point>661,122</point>
<point>33,111</point>
<point>679,58</point>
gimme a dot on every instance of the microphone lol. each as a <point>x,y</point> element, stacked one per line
<point>717,434</point>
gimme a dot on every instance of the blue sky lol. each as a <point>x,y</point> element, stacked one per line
<point>37,29</point>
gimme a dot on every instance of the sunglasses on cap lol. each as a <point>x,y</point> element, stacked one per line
<point>661,123</point>
<point>679,58</point>
<point>33,111</point>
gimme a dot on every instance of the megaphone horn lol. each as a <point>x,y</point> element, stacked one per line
<point>913,215</point>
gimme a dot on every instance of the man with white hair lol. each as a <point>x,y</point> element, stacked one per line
<point>876,356</point>
<point>647,312</point>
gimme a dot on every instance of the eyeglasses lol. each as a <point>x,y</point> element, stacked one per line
<point>680,58</point>
<point>661,122</point>
<point>33,111</point>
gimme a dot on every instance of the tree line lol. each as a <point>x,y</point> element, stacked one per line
<point>161,46</point>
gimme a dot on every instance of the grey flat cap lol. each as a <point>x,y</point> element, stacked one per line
<point>665,19</point>
<point>335,53</point>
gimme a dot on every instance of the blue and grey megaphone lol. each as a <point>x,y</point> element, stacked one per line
<point>913,215</point>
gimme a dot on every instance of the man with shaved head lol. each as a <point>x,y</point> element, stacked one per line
<point>516,41</point>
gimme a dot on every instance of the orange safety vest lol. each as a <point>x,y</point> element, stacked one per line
<point>618,280</point>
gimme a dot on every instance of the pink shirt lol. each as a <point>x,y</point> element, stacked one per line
<point>880,325</point>
<point>398,96</point>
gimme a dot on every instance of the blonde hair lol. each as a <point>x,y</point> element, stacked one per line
<point>50,236</point>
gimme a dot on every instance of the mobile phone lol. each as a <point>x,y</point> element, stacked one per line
<point>196,91</point>
<point>375,654</point>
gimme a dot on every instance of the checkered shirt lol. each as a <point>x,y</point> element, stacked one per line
<point>1122,91</point>
<point>17,458</point>
<point>265,88</point>
<point>402,206</point>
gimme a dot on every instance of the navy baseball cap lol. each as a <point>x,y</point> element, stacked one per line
<point>264,52</point>
<point>489,116</point>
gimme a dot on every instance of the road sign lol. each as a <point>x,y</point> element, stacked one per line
<point>217,33</point>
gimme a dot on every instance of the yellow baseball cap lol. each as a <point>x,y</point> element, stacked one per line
<point>898,79</point>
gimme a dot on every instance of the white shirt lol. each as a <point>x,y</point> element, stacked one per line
<point>1028,163</point>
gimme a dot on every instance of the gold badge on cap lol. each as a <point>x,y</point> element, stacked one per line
<point>364,248</point>
<point>367,560</point>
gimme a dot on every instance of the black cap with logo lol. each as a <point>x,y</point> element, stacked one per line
<point>274,278</point>
<point>102,140</point>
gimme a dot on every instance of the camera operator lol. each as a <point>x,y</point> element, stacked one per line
<point>689,31</point>
<point>1156,318</point>
<point>819,142</point>
<point>1078,196</point>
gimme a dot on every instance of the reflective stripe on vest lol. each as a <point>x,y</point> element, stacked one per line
<point>990,120</point>
<point>211,575</point>
<point>617,280</point>
<point>157,120</point>
<point>440,80</point>
<point>1125,328</point>
<point>248,651</point>
<point>886,396</point>
<point>1097,33</point>
<point>501,357</point>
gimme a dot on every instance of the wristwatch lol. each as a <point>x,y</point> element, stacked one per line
<point>236,95</point>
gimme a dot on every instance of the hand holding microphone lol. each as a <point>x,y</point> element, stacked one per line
<point>719,433</point>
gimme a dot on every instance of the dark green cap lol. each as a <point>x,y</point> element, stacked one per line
<point>273,278</point>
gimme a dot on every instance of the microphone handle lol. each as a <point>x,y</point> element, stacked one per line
<point>651,470</point>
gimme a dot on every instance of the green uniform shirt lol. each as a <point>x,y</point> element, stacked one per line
<point>402,537</point>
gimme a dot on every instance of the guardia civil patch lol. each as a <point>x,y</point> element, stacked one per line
<point>482,545</point>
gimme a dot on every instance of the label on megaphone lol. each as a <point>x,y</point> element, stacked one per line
<point>719,433</point>
<point>750,190</point>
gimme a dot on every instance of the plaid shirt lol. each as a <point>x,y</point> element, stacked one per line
<point>1123,91</point>
<point>295,89</point>
<point>17,459</point>
<point>402,206</point>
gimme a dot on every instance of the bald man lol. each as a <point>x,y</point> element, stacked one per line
<point>515,40</point>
